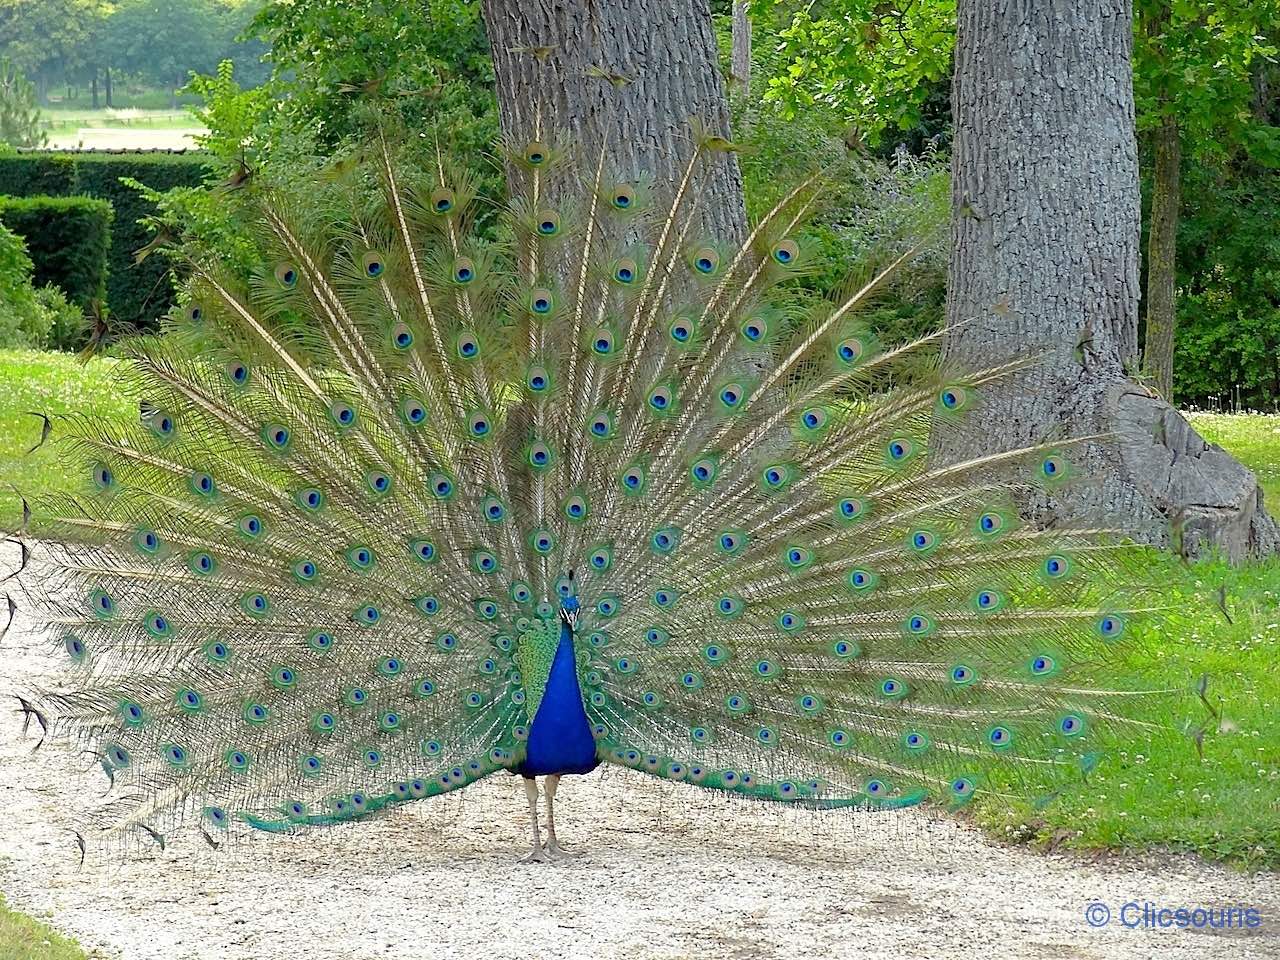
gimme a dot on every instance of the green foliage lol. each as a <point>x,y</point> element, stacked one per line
<point>19,116</point>
<point>1228,336</point>
<point>235,117</point>
<point>31,317</point>
<point>19,311</point>
<point>136,294</point>
<point>67,239</point>
<point>429,57</point>
<point>49,40</point>
<point>1195,60</point>
<point>878,65</point>
<point>164,41</point>
<point>873,208</point>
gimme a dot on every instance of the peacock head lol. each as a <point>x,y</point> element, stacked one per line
<point>568,591</point>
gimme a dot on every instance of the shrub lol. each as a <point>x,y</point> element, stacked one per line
<point>67,240</point>
<point>136,294</point>
<point>23,320</point>
<point>67,325</point>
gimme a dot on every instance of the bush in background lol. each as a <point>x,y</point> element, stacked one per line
<point>135,294</point>
<point>67,239</point>
<point>30,317</point>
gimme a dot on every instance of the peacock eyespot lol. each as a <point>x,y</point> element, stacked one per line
<point>850,351</point>
<point>601,426</point>
<point>625,272</point>
<point>286,275</point>
<point>660,398</point>
<point>402,337</point>
<point>443,200</point>
<point>1111,626</point>
<point>785,252</point>
<point>536,153</point>
<point>468,345</point>
<point>623,197</point>
<point>373,264</point>
<point>343,414</point>
<point>705,261</point>
<point>548,223</point>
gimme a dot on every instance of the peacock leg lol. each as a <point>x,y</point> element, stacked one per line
<point>537,854</point>
<point>553,847</point>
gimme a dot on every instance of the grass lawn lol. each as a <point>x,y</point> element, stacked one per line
<point>126,128</point>
<point>22,938</point>
<point>1153,791</point>
<point>49,383</point>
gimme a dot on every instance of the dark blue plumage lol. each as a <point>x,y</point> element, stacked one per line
<point>560,739</point>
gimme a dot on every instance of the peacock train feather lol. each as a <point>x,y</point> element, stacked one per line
<point>330,571</point>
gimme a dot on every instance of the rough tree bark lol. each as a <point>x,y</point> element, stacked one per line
<point>1044,259</point>
<point>1162,250</point>
<point>741,61</point>
<point>629,74</point>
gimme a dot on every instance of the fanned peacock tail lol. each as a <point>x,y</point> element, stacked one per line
<point>323,576</point>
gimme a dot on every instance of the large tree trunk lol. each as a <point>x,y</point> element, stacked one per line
<point>1044,261</point>
<point>628,74</point>
<point>1162,257</point>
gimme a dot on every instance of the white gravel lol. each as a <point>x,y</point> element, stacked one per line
<point>667,872</point>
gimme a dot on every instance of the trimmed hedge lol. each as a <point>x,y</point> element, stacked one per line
<point>67,239</point>
<point>137,294</point>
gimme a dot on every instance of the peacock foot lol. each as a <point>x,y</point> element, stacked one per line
<point>556,852</point>
<point>537,855</point>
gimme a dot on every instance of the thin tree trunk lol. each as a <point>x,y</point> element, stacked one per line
<point>1044,262</point>
<point>109,88</point>
<point>627,75</point>
<point>93,86</point>
<point>741,69</point>
<point>1162,250</point>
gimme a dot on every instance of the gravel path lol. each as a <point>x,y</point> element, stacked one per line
<point>668,872</point>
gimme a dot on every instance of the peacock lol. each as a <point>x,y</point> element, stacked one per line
<point>428,489</point>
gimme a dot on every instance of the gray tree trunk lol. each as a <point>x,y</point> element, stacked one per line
<point>1162,257</point>
<point>1044,260</point>
<point>741,68</point>
<point>660,67</point>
